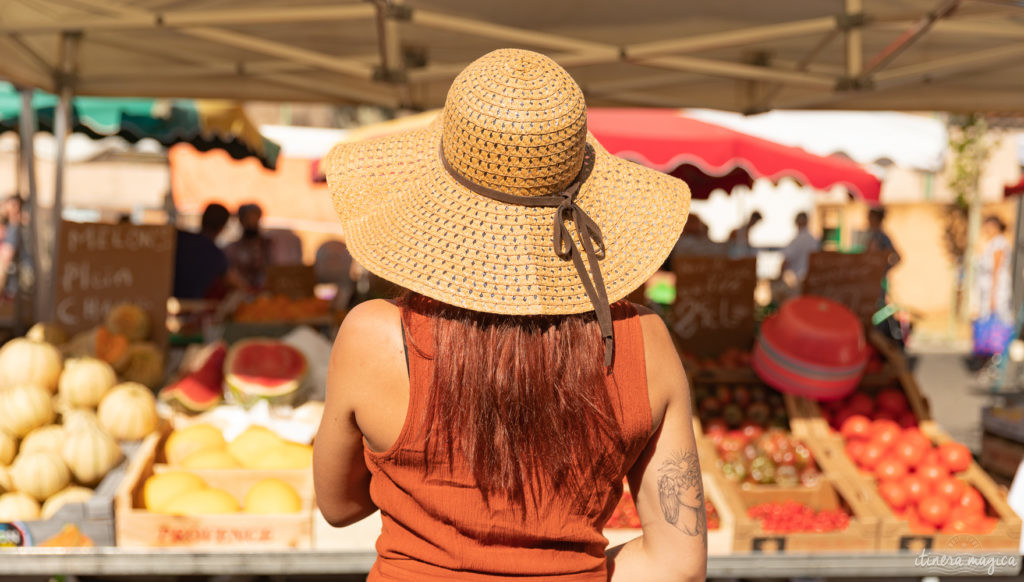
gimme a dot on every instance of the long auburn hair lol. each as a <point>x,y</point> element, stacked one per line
<point>522,399</point>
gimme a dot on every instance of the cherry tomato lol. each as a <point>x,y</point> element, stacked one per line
<point>872,455</point>
<point>907,420</point>
<point>856,427</point>
<point>894,494</point>
<point>932,472</point>
<point>973,500</point>
<point>934,510</point>
<point>885,431</point>
<point>914,434</point>
<point>916,488</point>
<point>891,400</point>
<point>949,488</point>
<point>860,403</point>
<point>890,468</point>
<point>908,451</point>
<point>955,456</point>
<point>855,450</point>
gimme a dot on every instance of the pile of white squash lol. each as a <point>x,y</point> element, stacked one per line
<point>60,423</point>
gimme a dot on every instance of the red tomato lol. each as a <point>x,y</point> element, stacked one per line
<point>985,525</point>
<point>855,450</point>
<point>907,420</point>
<point>860,403</point>
<point>873,453</point>
<point>751,430</point>
<point>931,457</point>
<point>973,501</point>
<point>932,472</point>
<point>916,488</point>
<point>894,494</point>
<point>963,513</point>
<point>955,456</point>
<point>949,488</point>
<point>908,451</point>
<point>890,468</point>
<point>914,434</point>
<point>855,427</point>
<point>892,400</point>
<point>715,426</point>
<point>933,510</point>
<point>958,526</point>
<point>885,415</point>
<point>885,431</point>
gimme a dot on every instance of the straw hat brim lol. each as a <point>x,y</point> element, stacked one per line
<point>407,220</point>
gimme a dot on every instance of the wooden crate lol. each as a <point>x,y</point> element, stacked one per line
<point>137,527</point>
<point>719,540</point>
<point>829,493</point>
<point>895,534</point>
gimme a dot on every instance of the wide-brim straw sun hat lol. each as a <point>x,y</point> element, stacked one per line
<point>505,203</point>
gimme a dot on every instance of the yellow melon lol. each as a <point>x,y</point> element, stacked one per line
<point>72,494</point>
<point>272,496</point>
<point>162,488</point>
<point>210,458</point>
<point>252,444</point>
<point>184,442</point>
<point>203,502</point>
<point>286,456</point>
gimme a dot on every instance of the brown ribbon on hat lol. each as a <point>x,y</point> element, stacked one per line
<point>565,246</point>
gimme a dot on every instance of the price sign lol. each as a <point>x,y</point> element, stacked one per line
<point>853,280</point>
<point>714,307</point>
<point>101,265</point>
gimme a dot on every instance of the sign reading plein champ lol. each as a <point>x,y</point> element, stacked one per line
<point>714,308</point>
<point>101,265</point>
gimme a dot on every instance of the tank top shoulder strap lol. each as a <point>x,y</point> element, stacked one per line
<point>630,369</point>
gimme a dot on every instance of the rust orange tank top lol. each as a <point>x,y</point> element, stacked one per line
<point>440,528</point>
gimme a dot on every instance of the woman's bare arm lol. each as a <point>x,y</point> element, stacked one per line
<point>666,480</point>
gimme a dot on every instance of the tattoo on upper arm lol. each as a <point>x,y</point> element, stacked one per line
<point>681,494</point>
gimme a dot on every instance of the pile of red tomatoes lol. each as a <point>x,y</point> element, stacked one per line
<point>793,516</point>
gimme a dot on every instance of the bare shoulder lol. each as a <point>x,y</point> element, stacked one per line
<point>657,339</point>
<point>369,341</point>
<point>666,379</point>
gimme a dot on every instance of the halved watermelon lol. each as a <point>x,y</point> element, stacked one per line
<point>264,369</point>
<point>203,388</point>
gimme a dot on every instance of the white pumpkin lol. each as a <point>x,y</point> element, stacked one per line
<point>72,494</point>
<point>6,484</point>
<point>128,412</point>
<point>24,408</point>
<point>49,439</point>
<point>77,419</point>
<point>23,361</point>
<point>18,506</point>
<point>90,454</point>
<point>85,381</point>
<point>8,448</point>
<point>40,474</point>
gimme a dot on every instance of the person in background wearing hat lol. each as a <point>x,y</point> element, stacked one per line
<point>492,411</point>
<point>250,255</point>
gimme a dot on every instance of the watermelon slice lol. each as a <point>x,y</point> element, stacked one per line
<point>203,388</point>
<point>264,369</point>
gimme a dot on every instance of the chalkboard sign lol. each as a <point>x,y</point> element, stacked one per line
<point>714,307</point>
<point>101,265</point>
<point>855,280</point>
<point>294,281</point>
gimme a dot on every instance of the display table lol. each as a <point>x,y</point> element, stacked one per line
<point>144,562</point>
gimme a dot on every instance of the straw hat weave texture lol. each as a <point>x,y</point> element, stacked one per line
<point>515,122</point>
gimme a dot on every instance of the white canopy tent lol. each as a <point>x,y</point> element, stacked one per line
<point>742,55</point>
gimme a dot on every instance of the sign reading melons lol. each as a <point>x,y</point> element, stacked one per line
<point>101,265</point>
<point>714,307</point>
<point>854,280</point>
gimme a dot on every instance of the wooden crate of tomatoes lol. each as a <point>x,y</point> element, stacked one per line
<point>926,488</point>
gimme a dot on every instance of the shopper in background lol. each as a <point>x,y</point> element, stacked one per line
<point>493,411</point>
<point>12,248</point>
<point>200,266</point>
<point>739,240</point>
<point>797,253</point>
<point>994,326</point>
<point>250,255</point>
<point>877,240</point>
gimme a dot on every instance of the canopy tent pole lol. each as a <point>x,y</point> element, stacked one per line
<point>65,82</point>
<point>27,190</point>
